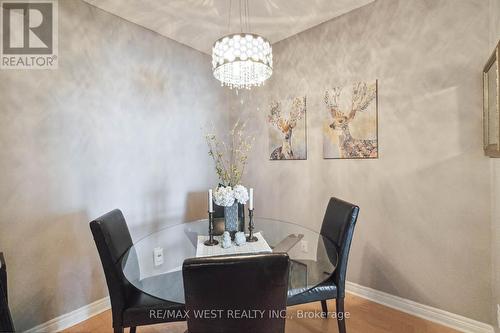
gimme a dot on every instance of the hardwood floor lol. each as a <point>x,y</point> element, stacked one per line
<point>365,317</point>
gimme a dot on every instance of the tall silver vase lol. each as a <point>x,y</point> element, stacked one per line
<point>231,219</point>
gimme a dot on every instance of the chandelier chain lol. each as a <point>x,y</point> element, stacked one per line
<point>241,19</point>
<point>248,16</point>
<point>229,17</point>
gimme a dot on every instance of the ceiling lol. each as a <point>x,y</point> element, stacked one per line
<point>198,23</point>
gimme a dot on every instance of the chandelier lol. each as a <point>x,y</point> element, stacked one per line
<point>242,60</point>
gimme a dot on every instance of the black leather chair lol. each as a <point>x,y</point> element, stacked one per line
<point>243,282</point>
<point>338,226</point>
<point>6,323</point>
<point>130,307</point>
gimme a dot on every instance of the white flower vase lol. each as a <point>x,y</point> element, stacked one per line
<point>231,219</point>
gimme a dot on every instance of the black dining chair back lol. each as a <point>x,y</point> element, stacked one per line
<point>338,226</point>
<point>113,239</point>
<point>130,307</point>
<point>6,323</point>
<point>255,285</point>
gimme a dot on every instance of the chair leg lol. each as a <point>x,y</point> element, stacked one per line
<point>132,329</point>
<point>118,329</point>
<point>340,315</point>
<point>324,308</point>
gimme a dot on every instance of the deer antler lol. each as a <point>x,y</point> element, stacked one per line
<point>298,111</point>
<point>362,95</point>
<point>275,117</point>
<point>333,101</point>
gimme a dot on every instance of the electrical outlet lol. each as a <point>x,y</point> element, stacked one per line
<point>158,256</point>
<point>304,246</point>
<point>498,315</point>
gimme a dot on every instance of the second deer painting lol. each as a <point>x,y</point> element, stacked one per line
<point>287,129</point>
<point>350,128</point>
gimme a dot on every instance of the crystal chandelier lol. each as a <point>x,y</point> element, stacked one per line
<point>242,60</point>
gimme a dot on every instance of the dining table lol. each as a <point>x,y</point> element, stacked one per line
<point>154,263</point>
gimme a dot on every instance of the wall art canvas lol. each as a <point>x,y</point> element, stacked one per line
<point>287,129</point>
<point>350,127</point>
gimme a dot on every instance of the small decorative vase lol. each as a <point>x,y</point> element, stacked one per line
<point>231,219</point>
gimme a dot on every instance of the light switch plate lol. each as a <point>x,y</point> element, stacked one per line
<point>158,256</point>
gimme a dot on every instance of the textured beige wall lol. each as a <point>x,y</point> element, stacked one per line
<point>117,125</point>
<point>494,22</point>
<point>424,229</point>
<point>120,120</point>
<point>495,176</point>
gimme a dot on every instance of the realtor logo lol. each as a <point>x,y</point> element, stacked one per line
<point>29,34</point>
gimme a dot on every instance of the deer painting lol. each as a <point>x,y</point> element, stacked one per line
<point>285,126</point>
<point>363,100</point>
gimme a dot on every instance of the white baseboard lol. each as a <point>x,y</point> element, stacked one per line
<point>442,317</point>
<point>72,318</point>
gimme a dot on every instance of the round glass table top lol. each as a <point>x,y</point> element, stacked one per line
<point>154,263</point>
